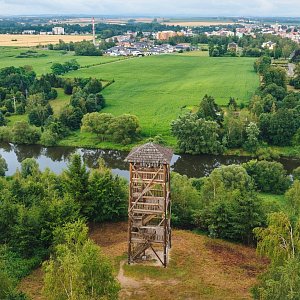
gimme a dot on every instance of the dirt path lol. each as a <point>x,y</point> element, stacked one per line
<point>126,282</point>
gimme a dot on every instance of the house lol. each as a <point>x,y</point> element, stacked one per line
<point>233,47</point>
<point>269,45</point>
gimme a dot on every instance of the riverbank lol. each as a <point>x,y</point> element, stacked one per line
<point>57,158</point>
<point>88,140</point>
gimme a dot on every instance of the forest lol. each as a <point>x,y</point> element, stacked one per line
<point>43,216</point>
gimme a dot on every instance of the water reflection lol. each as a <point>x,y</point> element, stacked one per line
<point>56,158</point>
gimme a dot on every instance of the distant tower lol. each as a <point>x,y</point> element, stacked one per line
<point>149,209</point>
<point>94,35</point>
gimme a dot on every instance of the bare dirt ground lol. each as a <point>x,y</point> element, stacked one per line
<point>23,40</point>
<point>200,268</point>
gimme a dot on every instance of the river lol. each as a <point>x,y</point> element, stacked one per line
<point>56,158</point>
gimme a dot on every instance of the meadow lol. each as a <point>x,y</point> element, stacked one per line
<point>42,64</point>
<point>157,89</point>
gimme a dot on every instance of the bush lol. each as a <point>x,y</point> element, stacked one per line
<point>296,173</point>
<point>22,133</point>
<point>2,119</point>
<point>185,201</point>
<point>269,177</point>
<point>3,166</point>
<point>49,138</point>
<point>5,134</point>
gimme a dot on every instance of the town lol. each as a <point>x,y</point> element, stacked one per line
<point>155,42</point>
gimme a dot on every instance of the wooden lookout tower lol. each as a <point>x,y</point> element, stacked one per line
<point>149,210</point>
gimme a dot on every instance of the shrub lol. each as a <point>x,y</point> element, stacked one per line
<point>296,173</point>
<point>269,177</point>
<point>22,133</point>
<point>49,138</point>
<point>5,134</point>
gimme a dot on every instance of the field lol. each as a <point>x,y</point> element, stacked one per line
<point>19,40</point>
<point>200,268</point>
<point>159,88</point>
<point>41,65</point>
<point>156,89</point>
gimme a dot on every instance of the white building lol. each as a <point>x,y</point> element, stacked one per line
<point>58,30</point>
<point>269,45</point>
<point>30,32</point>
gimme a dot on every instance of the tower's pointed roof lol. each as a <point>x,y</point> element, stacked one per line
<point>150,154</point>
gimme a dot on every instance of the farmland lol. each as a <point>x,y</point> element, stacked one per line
<point>19,40</point>
<point>156,89</point>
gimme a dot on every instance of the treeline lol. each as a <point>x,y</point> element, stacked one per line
<point>103,30</point>
<point>84,48</point>
<point>276,109</point>
<point>251,47</point>
<point>295,81</point>
<point>272,118</point>
<point>227,205</point>
<point>39,213</point>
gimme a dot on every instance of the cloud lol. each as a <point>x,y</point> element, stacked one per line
<point>152,7</point>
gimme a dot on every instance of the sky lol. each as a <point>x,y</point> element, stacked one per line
<point>200,8</point>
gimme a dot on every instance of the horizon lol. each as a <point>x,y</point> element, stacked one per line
<point>149,16</point>
<point>153,8</point>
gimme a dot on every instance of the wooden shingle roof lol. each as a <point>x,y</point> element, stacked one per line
<point>150,154</point>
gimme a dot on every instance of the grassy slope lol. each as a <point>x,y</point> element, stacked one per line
<point>157,89</point>
<point>200,268</point>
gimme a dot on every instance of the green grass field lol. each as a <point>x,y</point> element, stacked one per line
<point>43,65</point>
<point>156,89</point>
<point>159,88</point>
<point>60,102</point>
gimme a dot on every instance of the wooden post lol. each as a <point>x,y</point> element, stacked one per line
<point>165,216</point>
<point>170,207</point>
<point>129,215</point>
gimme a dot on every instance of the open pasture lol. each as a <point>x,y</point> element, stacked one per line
<point>159,88</point>
<point>23,40</point>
